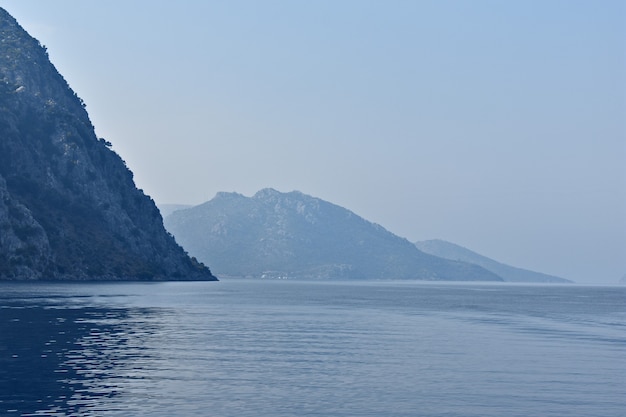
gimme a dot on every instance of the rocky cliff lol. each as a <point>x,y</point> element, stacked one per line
<point>69,208</point>
<point>293,235</point>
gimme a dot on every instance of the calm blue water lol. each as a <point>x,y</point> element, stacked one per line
<point>276,348</point>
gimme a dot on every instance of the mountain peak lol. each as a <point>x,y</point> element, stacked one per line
<point>266,192</point>
<point>225,194</point>
<point>271,193</point>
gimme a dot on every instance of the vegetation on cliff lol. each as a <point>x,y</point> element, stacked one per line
<point>69,208</point>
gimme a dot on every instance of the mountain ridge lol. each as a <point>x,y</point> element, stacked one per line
<point>449,250</point>
<point>294,235</point>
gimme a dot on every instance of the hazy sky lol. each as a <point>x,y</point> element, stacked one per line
<point>497,125</point>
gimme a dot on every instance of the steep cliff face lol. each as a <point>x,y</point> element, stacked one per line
<point>69,208</point>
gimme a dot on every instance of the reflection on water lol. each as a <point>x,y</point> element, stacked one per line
<point>62,358</point>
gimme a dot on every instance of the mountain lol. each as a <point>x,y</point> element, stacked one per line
<point>167,209</point>
<point>69,208</point>
<point>451,251</point>
<point>293,235</point>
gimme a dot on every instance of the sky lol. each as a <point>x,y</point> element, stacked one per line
<point>497,125</point>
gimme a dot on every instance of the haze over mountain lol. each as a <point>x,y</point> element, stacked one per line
<point>500,125</point>
<point>167,209</point>
<point>293,235</point>
<point>69,208</point>
<point>455,252</point>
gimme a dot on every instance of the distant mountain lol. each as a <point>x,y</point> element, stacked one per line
<point>455,252</point>
<point>69,208</point>
<point>293,235</point>
<point>167,209</point>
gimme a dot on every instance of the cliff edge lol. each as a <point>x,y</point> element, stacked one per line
<point>69,208</point>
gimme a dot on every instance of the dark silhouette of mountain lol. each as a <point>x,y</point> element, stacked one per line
<point>455,252</point>
<point>293,235</point>
<point>69,208</point>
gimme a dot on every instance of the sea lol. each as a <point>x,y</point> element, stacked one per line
<point>239,348</point>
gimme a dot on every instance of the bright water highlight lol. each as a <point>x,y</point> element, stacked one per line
<point>276,348</point>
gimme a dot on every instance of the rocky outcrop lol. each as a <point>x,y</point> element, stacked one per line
<point>69,208</point>
<point>293,235</point>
